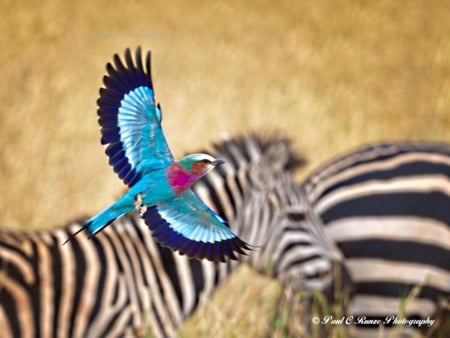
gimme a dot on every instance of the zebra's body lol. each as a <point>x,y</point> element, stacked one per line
<point>119,284</point>
<point>387,208</point>
<point>122,283</point>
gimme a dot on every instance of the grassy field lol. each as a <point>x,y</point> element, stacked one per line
<point>332,75</point>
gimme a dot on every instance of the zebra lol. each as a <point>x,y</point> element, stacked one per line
<point>124,284</point>
<point>398,162</point>
<point>387,208</point>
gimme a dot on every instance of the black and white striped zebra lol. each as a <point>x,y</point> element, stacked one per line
<point>122,283</point>
<point>387,208</point>
<point>367,165</point>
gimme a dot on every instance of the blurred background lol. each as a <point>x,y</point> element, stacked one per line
<point>331,75</point>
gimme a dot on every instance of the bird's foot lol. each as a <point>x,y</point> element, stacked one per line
<point>142,208</point>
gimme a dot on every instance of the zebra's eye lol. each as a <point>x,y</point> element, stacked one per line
<point>296,216</point>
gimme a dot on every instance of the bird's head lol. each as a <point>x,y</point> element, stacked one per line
<point>199,164</point>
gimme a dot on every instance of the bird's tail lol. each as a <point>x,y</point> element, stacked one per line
<point>98,222</point>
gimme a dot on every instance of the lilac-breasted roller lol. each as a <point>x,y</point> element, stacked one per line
<point>159,185</point>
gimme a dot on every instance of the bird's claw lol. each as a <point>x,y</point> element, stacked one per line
<point>142,208</point>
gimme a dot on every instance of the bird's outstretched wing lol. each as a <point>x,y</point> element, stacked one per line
<point>130,119</point>
<point>186,224</point>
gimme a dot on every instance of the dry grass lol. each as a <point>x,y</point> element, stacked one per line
<point>330,74</point>
<point>243,307</point>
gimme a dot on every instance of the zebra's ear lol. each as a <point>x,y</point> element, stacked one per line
<point>276,156</point>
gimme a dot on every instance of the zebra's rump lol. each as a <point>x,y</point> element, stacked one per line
<point>387,207</point>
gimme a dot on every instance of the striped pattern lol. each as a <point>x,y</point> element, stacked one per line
<point>387,207</point>
<point>125,284</point>
<point>374,202</point>
<point>119,284</point>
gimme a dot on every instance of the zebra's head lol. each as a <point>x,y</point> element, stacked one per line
<point>256,192</point>
<point>294,246</point>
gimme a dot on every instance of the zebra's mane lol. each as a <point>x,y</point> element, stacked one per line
<point>247,144</point>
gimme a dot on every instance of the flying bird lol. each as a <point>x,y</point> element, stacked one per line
<point>159,185</point>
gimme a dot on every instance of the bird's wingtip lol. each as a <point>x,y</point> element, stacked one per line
<point>215,251</point>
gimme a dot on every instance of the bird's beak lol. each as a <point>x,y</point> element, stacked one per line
<point>218,162</point>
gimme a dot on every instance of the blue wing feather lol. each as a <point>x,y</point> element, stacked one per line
<point>186,224</point>
<point>129,118</point>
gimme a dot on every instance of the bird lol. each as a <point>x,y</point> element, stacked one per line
<point>159,187</point>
